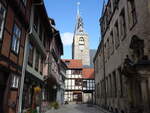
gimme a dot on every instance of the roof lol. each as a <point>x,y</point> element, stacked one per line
<point>88,73</point>
<point>73,63</point>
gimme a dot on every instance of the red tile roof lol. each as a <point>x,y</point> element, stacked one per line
<point>73,63</point>
<point>88,73</point>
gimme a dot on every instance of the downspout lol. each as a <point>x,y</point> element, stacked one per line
<point>25,60</point>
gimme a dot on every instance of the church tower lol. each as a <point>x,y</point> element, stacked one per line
<point>80,46</point>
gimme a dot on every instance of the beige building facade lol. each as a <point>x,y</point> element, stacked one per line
<point>122,61</point>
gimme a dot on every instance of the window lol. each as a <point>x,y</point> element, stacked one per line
<point>115,3</point>
<point>2,19</point>
<point>68,72</point>
<point>44,40</point>
<point>84,83</point>
<point>15,81</point>
<point>41,65</point>
<point>27,96</point>
<point>81,43</point>
<point>37,61</point>
<point>116,31</point>
<point>132,13</point>
<point>111,85</point>
<point>106,86</point>
<point>98,90</point>
<point>109,8</point>
<point>115,84</point>
<point>41,32</point>
<point>76,72</point>
<point>105,52</point>
<point>108,49</point>
<point>35,25</point>
<point>121,82</point>
<point>137,46</point>
<point>78,82</point>
<point>111,43</point>
<point>16,39</point>
<point>107,17</point>
<point>31,52</point>
<point>122,24</point>
<point>24,2</point>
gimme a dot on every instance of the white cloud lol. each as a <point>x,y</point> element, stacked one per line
<point>67,38</point>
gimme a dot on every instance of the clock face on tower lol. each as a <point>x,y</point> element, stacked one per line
<point>81,43</point>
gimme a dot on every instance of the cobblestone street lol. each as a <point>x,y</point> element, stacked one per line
<point>77,108</point>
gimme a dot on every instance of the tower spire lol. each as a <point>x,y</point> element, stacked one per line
<point>79,25</point>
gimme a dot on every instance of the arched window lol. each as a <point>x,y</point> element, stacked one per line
<point>81,41</point>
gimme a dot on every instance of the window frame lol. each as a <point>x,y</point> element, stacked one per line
<point>15,81</point>
<point>123,29</point>
<point>32,53</point>
<point>37,62</point>
<point>117,34</point>
<point>24,2</point>
<point>132,13</point>
<point>18,38</point>
<point>3,19</point>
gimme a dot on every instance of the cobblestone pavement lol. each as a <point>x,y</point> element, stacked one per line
<point>77,108</point>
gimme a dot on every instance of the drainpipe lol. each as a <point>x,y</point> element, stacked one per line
<point>25,60</point>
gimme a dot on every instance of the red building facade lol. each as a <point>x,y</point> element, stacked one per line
<point>14,23</point>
